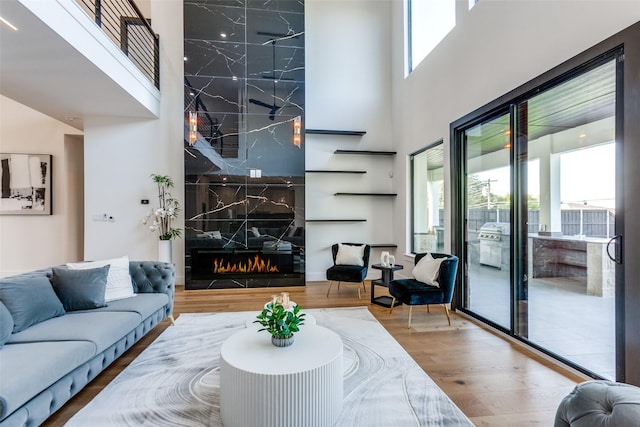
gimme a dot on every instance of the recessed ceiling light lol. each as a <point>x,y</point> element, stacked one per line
<point>582,135</point>
<point>8,24</point>
<point>185,58</point>
<point>235,78</point>
<point>223,35</point>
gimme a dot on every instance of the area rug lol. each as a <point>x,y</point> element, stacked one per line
<point>175,381</point>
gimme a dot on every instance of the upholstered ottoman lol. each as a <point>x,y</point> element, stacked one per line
<point>600,404</point>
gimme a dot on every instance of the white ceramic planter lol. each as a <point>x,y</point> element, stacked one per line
<point>164,251</point>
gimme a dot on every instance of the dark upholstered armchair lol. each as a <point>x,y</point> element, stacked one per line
<point>352,272</point>
<point>413,292</point>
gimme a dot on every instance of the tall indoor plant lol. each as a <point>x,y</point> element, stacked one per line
<point>160,218</point>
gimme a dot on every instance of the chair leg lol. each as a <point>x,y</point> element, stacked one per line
<point>410,311</point>
<point>428,309</point>
<point>393,303</point>
<point>364,287</point>
<point>338,286</point>
<point>446,311</point>
<point>330,284</point>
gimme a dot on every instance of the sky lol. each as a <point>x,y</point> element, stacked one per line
<point>586,175</point>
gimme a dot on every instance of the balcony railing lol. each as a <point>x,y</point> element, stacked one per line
<point>125,25</point>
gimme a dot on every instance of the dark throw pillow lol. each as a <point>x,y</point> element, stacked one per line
<point>80,289</point>
<point>30,300</point>
<point>6,324</point>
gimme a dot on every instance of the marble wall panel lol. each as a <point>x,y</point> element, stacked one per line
<point>244,76</point>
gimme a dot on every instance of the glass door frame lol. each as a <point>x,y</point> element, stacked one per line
<point>512,103</point>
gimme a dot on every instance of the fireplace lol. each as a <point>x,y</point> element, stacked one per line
<point>211,264</point>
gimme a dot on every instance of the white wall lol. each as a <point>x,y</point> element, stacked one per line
<point>347,55</point>
<point>31,242</point>
<point>122,153</point>
<point>494,48</point>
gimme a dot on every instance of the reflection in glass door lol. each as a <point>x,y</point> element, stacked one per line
<point>488,224</point>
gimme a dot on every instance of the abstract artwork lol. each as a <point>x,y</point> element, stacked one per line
<point>26,184</point>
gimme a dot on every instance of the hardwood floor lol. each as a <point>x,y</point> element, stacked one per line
<point>494,382</point>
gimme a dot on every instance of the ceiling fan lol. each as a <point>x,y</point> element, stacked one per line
<point>272,107</point>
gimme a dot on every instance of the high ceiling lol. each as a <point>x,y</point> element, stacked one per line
<point>40,69</point>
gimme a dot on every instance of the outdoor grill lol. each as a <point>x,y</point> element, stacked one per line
<point>494,244</point>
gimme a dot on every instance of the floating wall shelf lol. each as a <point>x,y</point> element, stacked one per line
<point>335,132</point>
<point>333,171</point>
<point>383,245</point>
<point>336,220</point>
<point>367,194</point>
<point>366,152</point>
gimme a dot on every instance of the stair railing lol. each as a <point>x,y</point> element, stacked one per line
<point>124,24</point>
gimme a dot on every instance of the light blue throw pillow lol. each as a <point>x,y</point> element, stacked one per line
<point>6,324</point>
<point>30,300</point>
<point>80,289</point>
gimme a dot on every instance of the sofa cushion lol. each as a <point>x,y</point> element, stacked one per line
<point>39,365</point>
<point>80,289</point>
<point>6,324</point>
<point>118,280</point>
<point>143,304</point>
<point>101,328</point>
<point>30,300</point>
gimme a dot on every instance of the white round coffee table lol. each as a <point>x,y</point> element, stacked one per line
<point>266,386</point>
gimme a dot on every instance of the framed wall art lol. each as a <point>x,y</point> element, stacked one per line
<point>26,184</point>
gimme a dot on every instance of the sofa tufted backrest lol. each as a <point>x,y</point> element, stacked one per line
<point>154,276</point>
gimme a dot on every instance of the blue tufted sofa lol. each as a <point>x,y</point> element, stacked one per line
<point>44,365</point>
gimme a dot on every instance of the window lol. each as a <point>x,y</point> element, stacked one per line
<point>427,199</point>
<point>472,3</point>
<point>428,22</point>
<point>537,188</point>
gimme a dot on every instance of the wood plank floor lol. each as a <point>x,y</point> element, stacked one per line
<point>493,381</point>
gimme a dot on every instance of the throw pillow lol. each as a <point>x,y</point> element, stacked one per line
<point>6,324</point>
<point>30,300</point>
<point>350,255</point>
<point>119,283</point>
<point>427,270</point>
<point>255,232</point>
<point>80,289</point>
<point>215,234</point>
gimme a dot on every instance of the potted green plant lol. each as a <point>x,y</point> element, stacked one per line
<point>159,219</point>
<point>280,322</point>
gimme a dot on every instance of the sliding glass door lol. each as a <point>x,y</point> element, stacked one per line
<point>488,219</point>
<point>539,195</point>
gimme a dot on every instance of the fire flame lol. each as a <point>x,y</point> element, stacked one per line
<point>253,265</point>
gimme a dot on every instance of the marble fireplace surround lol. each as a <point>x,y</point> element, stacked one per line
<point>244,77</point>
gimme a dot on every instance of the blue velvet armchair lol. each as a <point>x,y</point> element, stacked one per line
<point>348,273</point>
<point>413,292</point>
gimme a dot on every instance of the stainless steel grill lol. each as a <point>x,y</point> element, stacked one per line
<point>494,244</point>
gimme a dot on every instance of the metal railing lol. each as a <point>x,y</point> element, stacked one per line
<point>124,24</point>
<point>209,127</point>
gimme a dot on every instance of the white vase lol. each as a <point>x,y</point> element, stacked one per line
<point>164,251</point>
<point>384,259</point>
